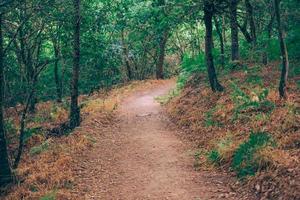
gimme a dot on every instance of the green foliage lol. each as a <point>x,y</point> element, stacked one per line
<point>29,132</point>
<point>248,104</point>
<point>49,196</point>
<point>254,79</point>
<point>189,66</point>
<point>40,148</point>
<point>244,162</point>
<point>209,118</point>
<point>214,157</point>
<point>10,130</point>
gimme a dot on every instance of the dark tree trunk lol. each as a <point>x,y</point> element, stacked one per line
<point>284,52</point>
<point>249,10</point>
<point>244,31</point>
<point>208,15</point>
<point>56,74</point>
<point>5,170</point>
<point>31,78</point>
<point>224,29</point>
<point>161,56</point>
<point>219,32</point>
<point>74,110</point>
<point>235,55</point>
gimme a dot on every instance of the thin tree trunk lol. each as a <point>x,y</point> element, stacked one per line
<point>235,55</point>
<point>208,15</point>
<point>219,32</point>
<point>126,57</point>
<point>56,74</point>
<point>224,29</point>
<point>74,110</point>
<point>5,170</point>
<point>244,31</point>
<point>284,52</point>
<point>161,56</point>
<point>249,10</point>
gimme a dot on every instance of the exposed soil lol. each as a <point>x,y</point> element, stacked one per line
<point>142,157</point>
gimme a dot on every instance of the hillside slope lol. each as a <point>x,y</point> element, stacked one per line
<point>246,130</point>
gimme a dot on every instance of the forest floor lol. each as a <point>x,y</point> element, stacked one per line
<point>141,156</point>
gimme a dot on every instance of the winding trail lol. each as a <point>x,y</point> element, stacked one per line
<point>142,158</point>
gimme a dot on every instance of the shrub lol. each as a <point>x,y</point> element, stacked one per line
<point>244,162</point>
<point>214,157</point>
<point>256,102</point>
<point>254,79</point>
<point>29,132</point>
<point>189,66</point>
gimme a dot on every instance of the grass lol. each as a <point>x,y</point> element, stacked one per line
<point>244,162</point>
<point>39,148</point>
<point>49,196</point>
<point>47,169</point>
<point>238,128</point>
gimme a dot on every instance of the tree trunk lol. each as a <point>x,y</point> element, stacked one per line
<point>219,32</point>
<point>235,55</point>
<point>161,56</point>
<point>284,53</point>
<point>5,170</point>
<point>56,74</point>
<point>126,57</point>
<point>74,110</point>
<point>208,15</point>
<point>249,10</point>
<point>244,31</point>
<point>224,29</point>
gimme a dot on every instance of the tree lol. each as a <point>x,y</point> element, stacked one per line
<point>221,39</point>
<point>162,37</point>
<point>284,52</point>
<point>234,30</point>
<point>75,110</point>
<point>5,169</point>
<point>208,15</point>
<point>249,9</point>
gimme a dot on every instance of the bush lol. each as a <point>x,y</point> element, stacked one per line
<point>256,102</point>
<point>244,162</point>
<point>189,66</point>
<point>214,157</point>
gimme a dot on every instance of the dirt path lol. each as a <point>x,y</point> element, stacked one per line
<point>141,158</point>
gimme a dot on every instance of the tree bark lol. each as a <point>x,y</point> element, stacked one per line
<point>244,31</point>
<point>208,15</point>
<point>74,110</point>
<point>250,16</point>
<point>5,169</point>
<point>284,52</point>
<point>235,55</point>
<point>56,74</point>
<point>161,56</point>
<point>219,32</point>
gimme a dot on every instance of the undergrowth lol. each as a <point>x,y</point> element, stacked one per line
<point>247,129</point>
<point>244,162</point>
